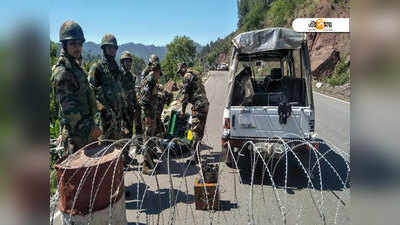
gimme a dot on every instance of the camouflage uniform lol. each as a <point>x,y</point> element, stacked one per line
<point>104,79</point>
<point>195,94</point>
<point>148,102</point>
<point>163,98</point>
<point>76,102</point>
<point>132,109</point>
<point>146,71</point>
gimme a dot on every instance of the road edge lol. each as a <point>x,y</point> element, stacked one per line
<point>333,98</point>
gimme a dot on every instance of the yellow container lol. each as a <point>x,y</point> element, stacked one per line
<point>189,135</point>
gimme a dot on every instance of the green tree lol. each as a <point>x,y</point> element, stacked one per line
<point>282,11</point>
<point>254,18</point>
<point>181,49</point>
<point>53,110</point>
<point>138,64</point>
<point>211,58</point>
<point>53,53</point>
<point>243,9</point>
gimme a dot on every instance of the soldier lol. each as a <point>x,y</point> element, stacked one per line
<point>132,109</point>
<point>77,104</point>
<point>104,79</point>
<point>152,60</point>
<point>163,98</point>
<point>148,98</point>
<point>194,93</point>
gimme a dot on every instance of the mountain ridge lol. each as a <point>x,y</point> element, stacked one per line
<point>92,49</point>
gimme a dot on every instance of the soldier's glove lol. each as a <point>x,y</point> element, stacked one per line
<point>147,121</point>
<point>100,107</point>
<point>125,130</point>
<point>96,132</point>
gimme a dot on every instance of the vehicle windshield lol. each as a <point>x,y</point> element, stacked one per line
<point>270,78</point>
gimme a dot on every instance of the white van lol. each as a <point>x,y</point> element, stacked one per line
<point>270,98</point>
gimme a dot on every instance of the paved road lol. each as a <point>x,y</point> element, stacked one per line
<point>245,203</point>
<point>332,125</point>
<point>333,120</point>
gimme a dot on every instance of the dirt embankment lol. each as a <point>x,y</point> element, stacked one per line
<point>327,48</point>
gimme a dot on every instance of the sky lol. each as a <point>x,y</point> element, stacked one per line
<point>147,22</point>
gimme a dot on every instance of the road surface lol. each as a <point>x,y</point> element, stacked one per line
<point>290,202</point>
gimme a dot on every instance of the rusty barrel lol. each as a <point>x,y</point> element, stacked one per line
<point>97,168</point>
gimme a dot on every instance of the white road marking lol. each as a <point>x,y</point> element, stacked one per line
<point>339,100</point>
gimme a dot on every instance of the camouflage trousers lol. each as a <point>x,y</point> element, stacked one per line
<point>199,118</point>
<point>73,143</point>
<point>111,124</point>
<point>133,122</point>
<point>160,130</point>
<point>150,130</point>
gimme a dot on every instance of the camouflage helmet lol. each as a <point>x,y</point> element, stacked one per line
<point>154,58</point>
<point>180,66</point>
<point>71,30</point>
<point>109,39</point>
<point>125,55</point>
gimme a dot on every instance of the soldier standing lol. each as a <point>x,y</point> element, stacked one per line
<point>77,104</point>
<point>104,79</point>
<point>132,109</point>
<point>195,94</point>
<point>148,98</point>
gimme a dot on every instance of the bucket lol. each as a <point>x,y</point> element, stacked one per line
<point>103,169</point>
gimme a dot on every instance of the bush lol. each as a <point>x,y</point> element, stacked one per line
<point>341,73</point>
<point>53,182</point>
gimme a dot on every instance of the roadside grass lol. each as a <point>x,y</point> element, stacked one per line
<point>53,182</point>
<point>341,73</point>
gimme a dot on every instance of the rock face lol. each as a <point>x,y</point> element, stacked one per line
<point>324,62</point>
<point>326,48</point>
